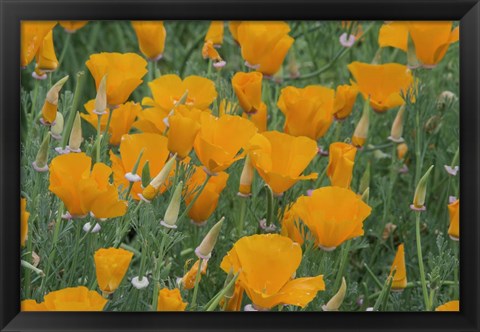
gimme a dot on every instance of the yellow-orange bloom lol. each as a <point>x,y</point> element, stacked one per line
<point>207,202</point>
<point>72,26</point>
<point>124,73</point>
<point>454,212</point>
<point>68,299</point>
<point>402,150</point>
<point>449,306</point>
<point>209,52</point>
<point>333,215</point>
<point>155,151</point>
<point>188,280</point>
<point>383,84</point>
<point>345,97</point>
<point>121,120</point>
<point>308,111</point>
<point>181,134</point>
<point>215,32</point>
<point>266,264</point>
<point>264,44</point>
<point>32,34</point>
<point>248,88</point>
<point>151,37</point>
<point>259,119</point>
<point>233,27</point>
<point>24,215</point>
<point>400,278</point>
<point>83,190</point>
<point>111,265</point>
<point>220,140</point>
<point>280,158</point>
<point>340,164</point>
<point>170,300</point>
<point>46,59</point>
<point>291,227</point>
<point>431,39</point>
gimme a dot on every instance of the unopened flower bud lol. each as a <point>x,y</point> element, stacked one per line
<point>40,163</point>
<point>412,61</point>
<point>204,250</point>
<point>444,99</point>
<point>365,180</point>
<point>171,215</point>
<point>366,195</point>
<point>151,190</point>
<point>397,127</point>
<point>246,178</point>
<point>49,109</point>
<point>402,150</point>
<point>421,192</point>
<point>76,137</point>
<point>188,280</point>
<point>101,99</point>
<point>337,300</point>
<point>361,130</point>
<point>57,128</point>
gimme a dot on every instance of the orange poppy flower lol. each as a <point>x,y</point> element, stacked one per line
<point>72,26</point>
<point>120,123</point>
<point>400,278</point>
<point>24,215</point>
<point>333,215</point>
<point>220,139</point>
<point>188,280</point>
<point>259,119</point>
<point>151,37</point>
<point>155,151</point>
<point>182,132</point>
<point>248,88</point>
<point>233,27</point>
<point>340,164</point>
<point>215,32</point>
<point>264,44</point>
<point>280,158</point>
<point>209,52</point>
<point>308,111</point>
<point>345,97</point>
<point>266,264</point>
<point>46,59</point>
<point>431,39</point>
<point>167,90</point>
<point>207,202</point>
<point>83,190</point>
<point>383,84</point>
<point>111,265</point>
<point>68,299</point>
<point>170,300</point>
<point>449,306</point>
<point>124,73</point>
<point>32,34</point>
<point>291,227</point>
<point>454,212</point>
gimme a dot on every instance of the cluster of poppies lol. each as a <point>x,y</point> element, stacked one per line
<point>176,151</point>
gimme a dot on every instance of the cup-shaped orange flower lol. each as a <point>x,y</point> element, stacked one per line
<point>345,97</point>
<point>181,134</point>
<point>167,90</point>
<point>72,26</point>
<point>340,164</point>
<point>32,34</point>
<point>264,44</point>
<point>400,278</point>
<point>233,28</point>
<point>46,59</point>
<point>431,39</point>
<point>155,151</point>
<point>259,119</point>
<point>124,73</point>
<point>220,140</point>
<point>32,305</point>
<point>333,215</point>
<point>454,212</point>
<point>207,201</point>
<point>111,265</point>
<point>449,306</point>
<point>384,84</point>
<point>24,215</point>
<point>280,158</point>
<point>308,111</point>
<point>248,88</point>
<point>215,33</point>
<point>121,120</point>
<point>84,190</point>
<point>266,264</point>
<point>170,300</point>
<point>74,299</point>
<point>151,37</point>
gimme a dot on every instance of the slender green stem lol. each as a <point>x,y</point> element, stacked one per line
<point>73,109</point>
<point>418,148</point>
<point>65,47</point>
<point>217,298</point>
<point>241,215</point>
<point>420,261</point>
<point>342,264</point>
<point>156,275</point>
<point>34,102</point>
<point>374,277</point>
<point>195,289</point>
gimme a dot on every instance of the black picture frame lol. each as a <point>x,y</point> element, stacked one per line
<point>12,11</point>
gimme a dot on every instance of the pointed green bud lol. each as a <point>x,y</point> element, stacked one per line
<point>421,192</point>
<point>204,250</point>
<point>412,61</point>
<point>171,215</point>
<point>366,195</point>
<point>397,127</point>
<point>162,176</point>
<point>337,300</point>
<point>146,174</point>
<point>52,94</point>
<point>101,99</point>
<point>365,180</point>
<point>41,160</point>
<point>76,137</point>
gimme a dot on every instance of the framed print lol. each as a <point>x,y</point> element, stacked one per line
<point>239,165</point>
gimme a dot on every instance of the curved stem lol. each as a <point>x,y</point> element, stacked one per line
<point>420,262</point>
